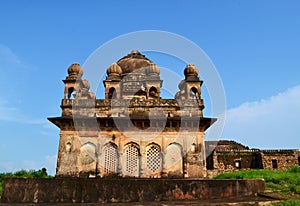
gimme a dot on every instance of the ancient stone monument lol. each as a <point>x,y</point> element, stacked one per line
<point>131,146</point>
<point>133,132</point>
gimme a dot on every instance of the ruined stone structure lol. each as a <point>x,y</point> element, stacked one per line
<point>230,155</point>
<point>133,132</point>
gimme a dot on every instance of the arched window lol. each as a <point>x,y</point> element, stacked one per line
<point>153,92</point>
<point>174,160</point>
<point>110,159</point>
<point>154,162</point>
<point>140,93</point>
<point>194,93</point>
<point>71,93</point>
<point>131,165</point>
<point>87,153</point>
<point>112,94</point>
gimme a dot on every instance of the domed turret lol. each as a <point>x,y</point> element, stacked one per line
<point>190,70</point>
<point>75,70</point>
<point>133,61</point>
<point>114,69</point>
<point>153,69</point>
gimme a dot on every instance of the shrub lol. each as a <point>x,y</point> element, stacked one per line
<point>42,173</point>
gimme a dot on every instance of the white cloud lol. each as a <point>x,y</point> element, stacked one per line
<point>8,56</point>
<point>11,63</point>
<point>13,114</point>
<point>268,123</point>
<point>12,81</point>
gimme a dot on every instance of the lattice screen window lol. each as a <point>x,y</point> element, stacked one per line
<point>111,159</point>
<point>131,153</point>
<point>153,158</point>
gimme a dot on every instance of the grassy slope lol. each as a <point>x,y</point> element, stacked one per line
<point>284,184</point>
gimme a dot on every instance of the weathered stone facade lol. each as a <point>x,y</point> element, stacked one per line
<point>133,132</point>
<point>229,155</point>
<point>280,159</point>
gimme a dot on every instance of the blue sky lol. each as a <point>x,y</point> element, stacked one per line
<point>253,44</point>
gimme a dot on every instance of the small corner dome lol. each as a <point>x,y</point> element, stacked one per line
<point>114,69</point>
<point>191,70</point>
<point>75,70</point>
<point>153,68</point>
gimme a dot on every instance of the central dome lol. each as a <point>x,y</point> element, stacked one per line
<point>133,61</point>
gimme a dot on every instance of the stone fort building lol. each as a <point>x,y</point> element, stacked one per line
<point>225,155</point>
<point>133,132</point>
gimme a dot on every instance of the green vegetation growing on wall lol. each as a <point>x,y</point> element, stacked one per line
<point>42,173</point>
<point>239,154</point>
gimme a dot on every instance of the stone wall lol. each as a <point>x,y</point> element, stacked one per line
<point>239,160</point>
<point>220,161</point>
<point>234,159</point>
<point>82,190</point>
<point>279,159</point>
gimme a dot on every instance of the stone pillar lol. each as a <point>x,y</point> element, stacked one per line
<point>143,160</point>
<point>215,160</point>
<point>121,162</point>
<point>195,158</point>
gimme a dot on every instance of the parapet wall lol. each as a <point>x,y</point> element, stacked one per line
<point>82,190</point>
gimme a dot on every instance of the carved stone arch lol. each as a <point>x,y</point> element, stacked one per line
<point>153,92</point>
<point>173,163</point>
<point>112,93</point>
<point>131,158</point>
<point>195,93</point>
<point>178,145</point>
<point>87,153</point>
<point>153,159</point>
<point>71,91</point>
<point>140,93</point>
<point>109,160</point>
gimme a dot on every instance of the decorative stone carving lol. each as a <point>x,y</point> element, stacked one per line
<point>83,92</point>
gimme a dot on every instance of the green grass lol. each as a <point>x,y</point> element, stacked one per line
<point>42,173</point>
<point>282,183</point>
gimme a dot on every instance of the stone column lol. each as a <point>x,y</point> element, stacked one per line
<point>143,160</point>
